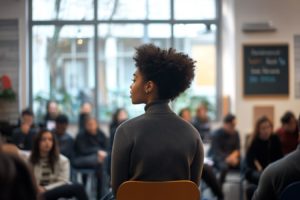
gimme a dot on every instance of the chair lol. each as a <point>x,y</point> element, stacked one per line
<point>168,190</point>
<point>91,179</point>
<point>291,192</point>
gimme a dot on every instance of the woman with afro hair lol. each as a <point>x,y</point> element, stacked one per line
<point>158,145</point>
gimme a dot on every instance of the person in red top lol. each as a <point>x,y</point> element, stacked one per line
<point>288,133</point>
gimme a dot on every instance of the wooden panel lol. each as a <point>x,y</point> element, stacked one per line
<point>259,111</point>
<point>225,105</point>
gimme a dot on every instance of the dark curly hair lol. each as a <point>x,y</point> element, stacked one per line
<point>171,71</point>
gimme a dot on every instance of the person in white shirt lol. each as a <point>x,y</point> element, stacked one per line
<point>52,170</point>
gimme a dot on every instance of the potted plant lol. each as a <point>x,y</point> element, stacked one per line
<point>6,91</point>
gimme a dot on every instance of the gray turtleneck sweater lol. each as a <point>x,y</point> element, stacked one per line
<point>156,146</point>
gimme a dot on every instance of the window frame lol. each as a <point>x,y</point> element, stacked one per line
<point>95,22</point>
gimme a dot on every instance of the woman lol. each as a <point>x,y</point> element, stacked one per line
<point>52,170</point>
<point>158,145</point>
<point>264,149</point>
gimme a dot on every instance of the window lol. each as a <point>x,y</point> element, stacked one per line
<point>82,50</point>
<point>199,42</point>
<point>195,9</point>
<point>63,67</point>
<point>133,10</point>
<point>62,10</point>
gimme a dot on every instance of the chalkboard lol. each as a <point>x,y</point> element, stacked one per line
<point>266,70</point>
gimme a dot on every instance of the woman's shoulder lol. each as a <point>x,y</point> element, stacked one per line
<point>63,159</point>
<point>132,122</point>
<point>129,127</point>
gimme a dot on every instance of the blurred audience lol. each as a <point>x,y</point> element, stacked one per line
<point>264,149</point>
<point>202,122</point>
<point>278,175</point>
<point>90,150</point>
<point>23,136</point>
<point>65,141</point>
<point>225,147</point>
<point>288,133</point>
<point>52,170</point>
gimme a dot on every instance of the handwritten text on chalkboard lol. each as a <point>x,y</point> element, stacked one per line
<point>266,70</point>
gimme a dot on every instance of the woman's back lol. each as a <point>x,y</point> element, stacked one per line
<point>159,146</point>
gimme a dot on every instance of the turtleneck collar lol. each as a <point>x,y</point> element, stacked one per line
<point>158,106</point>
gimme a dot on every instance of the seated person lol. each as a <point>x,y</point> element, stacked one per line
<point>119,116</point>
<point>264,149</point>
<point>202,122</point>
<point>288,133</point>
<point>85,112</point>
<point>52,170</point>
<point>65,141</point>
<point>278,175</point>
<point>23,136</point>
<point>90,150</point>
<point>225,147</point>
<point>51,113</point>
<point>208,175</point>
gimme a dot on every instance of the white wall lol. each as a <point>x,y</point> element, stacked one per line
<point>16,9</point>
<point>228,52</point>
<point>285,16</point>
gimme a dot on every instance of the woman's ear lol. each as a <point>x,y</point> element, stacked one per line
<point>149,87</point>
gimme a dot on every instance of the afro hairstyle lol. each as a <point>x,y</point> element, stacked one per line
<point>171,71</point>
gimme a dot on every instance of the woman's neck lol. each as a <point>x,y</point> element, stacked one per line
<point>151,99</point>
<point>44,154</point>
